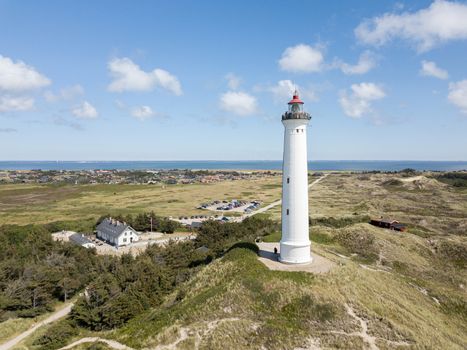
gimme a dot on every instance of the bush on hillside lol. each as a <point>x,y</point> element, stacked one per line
<point>246,245</point>
<point>361,243</point>
<point>142,222</point>
<point>57,335</point>
<point>393,183</point>
<point>456,179</point>
<point>303,309</point>
<point>454,252</point>
<point>338,222</point>
<point>219,237</point>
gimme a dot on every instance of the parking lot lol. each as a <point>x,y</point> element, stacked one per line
<point>232,206</point>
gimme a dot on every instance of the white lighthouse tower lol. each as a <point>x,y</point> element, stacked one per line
<point>295,241</point>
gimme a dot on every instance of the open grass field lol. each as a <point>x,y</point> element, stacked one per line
<point>24,204</point>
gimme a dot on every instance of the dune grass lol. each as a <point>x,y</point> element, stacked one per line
<point>238,303</point>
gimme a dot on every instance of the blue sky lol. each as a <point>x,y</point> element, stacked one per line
<point>185,80</point>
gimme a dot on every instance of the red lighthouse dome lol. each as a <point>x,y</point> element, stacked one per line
<point>295,99</point>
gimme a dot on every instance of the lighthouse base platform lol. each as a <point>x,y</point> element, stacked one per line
<point>319,264</point>
<point>293,253</point>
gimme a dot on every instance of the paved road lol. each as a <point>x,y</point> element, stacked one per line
<point>276,203</point>
<point>52,318</point>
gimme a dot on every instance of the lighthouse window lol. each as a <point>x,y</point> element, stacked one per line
<point>288,180</point>
<point>287,211</point>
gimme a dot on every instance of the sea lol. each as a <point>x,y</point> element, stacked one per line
<point>318,165</point>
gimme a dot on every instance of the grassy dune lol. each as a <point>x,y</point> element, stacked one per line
<point>237,303</point>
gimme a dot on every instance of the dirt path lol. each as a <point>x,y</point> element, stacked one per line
<point>186,332</point>
<point>52,318</point>
<point>369,339</point>
<point>111,343</point>
<point>363,333</point>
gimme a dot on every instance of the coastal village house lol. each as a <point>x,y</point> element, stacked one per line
<point>390,224</point>
<point>116,233</point>
<point>81,240</point>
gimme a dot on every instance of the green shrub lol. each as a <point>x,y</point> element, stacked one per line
<point>219,237</point>
<point>84,225</point>
<point>97,346</point>
<point>361,243</point>
<point>400,266</point>
<point>419,231</point>
<point>246,245</point>
<point>456,179</point>
<point>321,238</point>
<point>407,172</point>
<point>338,222</point>
<point>393,183</point>
<point>57,335</point>
<point>273,237</point>
<point>454,306</point>
<point>453,252</point>
<point>304,309</point>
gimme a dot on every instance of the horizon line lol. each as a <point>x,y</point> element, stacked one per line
<point>233,160</point>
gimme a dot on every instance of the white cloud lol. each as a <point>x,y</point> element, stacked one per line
<point>458,94</point>
<point>128,76</point>
<point>301,59</point>
<point>239,103</point>
<point>284,89</point>
<point>15,103</point>
<point>167,81</point>
<point>366,62</point>
<point>358,103</point>
<point>85,111</point>
<point>19,77</point>
<point>233,81</point>
<point>142,113</point>
<point>66,93</point>
<point>442,21</point>
<point>431,69</point>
